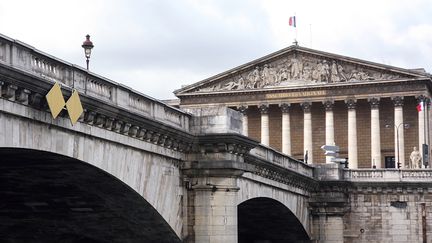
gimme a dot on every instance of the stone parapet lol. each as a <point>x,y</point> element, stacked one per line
<point>268,163</point>
<point>387,175</point>
<point>18,57</point>
<point>327,172</point>
<point>215,119</point>
<point>273,157</point>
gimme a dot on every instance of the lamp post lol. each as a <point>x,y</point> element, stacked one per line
<point>87,45</point>
<point>405,125</point>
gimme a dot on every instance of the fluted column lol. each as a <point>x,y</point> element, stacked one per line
<point>265,138</point>
<point>399,131</point>
<point>375,133</point>
<point>329,126</point>
<point>421,124</point>
<point>307,132</point>
<point>427,126</point>
<point>352,133</point>
<point>286,128</point>
<point>243,109</point>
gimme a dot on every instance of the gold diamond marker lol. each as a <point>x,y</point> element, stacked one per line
<point>74,107</point>
<point>55,100</point>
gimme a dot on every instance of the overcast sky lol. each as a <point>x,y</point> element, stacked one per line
<point>156,46</point>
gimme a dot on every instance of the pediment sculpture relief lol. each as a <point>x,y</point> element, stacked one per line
<point>294,71</point>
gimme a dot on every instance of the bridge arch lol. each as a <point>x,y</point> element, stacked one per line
<point>295,200</point>
<point>145,167</point>
<point>54,198</point>
<point>265,219</point>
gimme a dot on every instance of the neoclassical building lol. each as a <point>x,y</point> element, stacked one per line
<point>297,99</point>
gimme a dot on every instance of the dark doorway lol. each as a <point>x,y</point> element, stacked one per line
<point>389,161</point>
<point>267,220</point>
<point>46,197</point>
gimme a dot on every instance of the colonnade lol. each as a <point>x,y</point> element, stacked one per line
<point>351,104</point>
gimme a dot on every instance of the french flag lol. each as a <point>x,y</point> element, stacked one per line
<point>292,21</point>
<point>420,106</point>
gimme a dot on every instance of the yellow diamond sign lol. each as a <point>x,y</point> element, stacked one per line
<point>55,100</point>
<point>74,107</point>
<point>56,103</point>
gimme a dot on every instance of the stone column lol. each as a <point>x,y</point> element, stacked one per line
<point>212,208</point>
<point>243,109</point>
<point>286,128</point>
<point>265,137</point>
<point>427,126</point>
<point>421,124</point>
<point>352,134</point>
<point>329,126</point>
<point>307,132</point>
<point>399,131</point>
<point>375,133</point>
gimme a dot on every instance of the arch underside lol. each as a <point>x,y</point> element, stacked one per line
<point>267,220</point>
<point>47,197</point>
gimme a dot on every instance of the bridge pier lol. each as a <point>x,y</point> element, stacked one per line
<point>212,210</point>
<point>328,227</point>
<point>211,172</point>
<point>329,206</point>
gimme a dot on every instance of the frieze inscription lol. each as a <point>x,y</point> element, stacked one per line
<point>361,91</point>
<point>296,94</point>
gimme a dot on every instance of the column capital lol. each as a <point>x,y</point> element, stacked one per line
<point>374,102</point>
<point>328,104</point>
<point>243,109</point>
<point>306,106</point>
<point>285,107</point>
<point>397,101</point>
<point>264,108</point>
<point>351,103</point>
<point>422,98</point>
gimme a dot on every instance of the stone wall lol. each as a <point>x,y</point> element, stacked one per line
<point>371,205</point>
<point>388,216</point>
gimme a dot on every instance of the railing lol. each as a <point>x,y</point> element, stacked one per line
<point>26,58</point>
<point>282,160</point>
<point>387,175</point>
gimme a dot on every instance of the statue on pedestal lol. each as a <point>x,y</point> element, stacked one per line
<point>415,159</point>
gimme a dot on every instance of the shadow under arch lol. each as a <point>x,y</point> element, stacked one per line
<point>265,220</point>
<point>47,197</point>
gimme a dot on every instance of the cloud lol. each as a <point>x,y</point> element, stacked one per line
<point>155,46</point>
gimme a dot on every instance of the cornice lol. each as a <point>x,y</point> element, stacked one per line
<point>232,143</point>
<point>331,86</point>
<point>370,89</point>
<point>281,174</point>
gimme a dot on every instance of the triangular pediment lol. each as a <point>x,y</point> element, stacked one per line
<point>299,66</point>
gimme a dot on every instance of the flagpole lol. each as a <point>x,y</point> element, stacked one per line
<point>310,33</point>
<point>295,26</point>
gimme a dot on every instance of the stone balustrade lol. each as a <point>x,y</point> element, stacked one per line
<point>17,55</point>
<point>387,175</point>
<point>276,158</point>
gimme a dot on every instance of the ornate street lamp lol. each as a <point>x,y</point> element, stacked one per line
<point>406,126</point>
<point>87,45</point>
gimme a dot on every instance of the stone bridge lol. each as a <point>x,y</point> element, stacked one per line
<point>134,169</point>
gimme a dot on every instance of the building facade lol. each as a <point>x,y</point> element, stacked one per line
<point>298,99</point>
